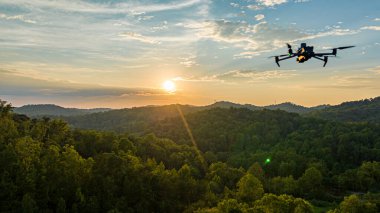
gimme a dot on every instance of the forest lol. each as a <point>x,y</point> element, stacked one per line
<point>239,160</point>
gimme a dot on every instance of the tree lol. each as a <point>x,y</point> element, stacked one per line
<point>354,204</point>
<point>28,204</point>
<point>283,185</point>
<point>232,206</point>
<point>249,188</point>
<point>61,206</point>
<point>5,108</point>
<point>282,204</point>
<point>311,181</point>
<point>369,175</point>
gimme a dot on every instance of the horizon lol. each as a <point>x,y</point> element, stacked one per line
<point>184,104</point>
<point>122,54</point>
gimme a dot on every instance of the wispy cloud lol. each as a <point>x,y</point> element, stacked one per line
<point>189,61</point>
<point>106,8</point>
<point>377,28</point>
<point>18,18</point>
<point>240,76</point>
<point>14,83</point>
<point>367,79</point>
<point>270,3</point>
<point>255,39</point>
<point>138,37</point>
<point>261,4</point>
<point>259,17</point>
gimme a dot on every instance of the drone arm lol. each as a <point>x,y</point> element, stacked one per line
<point>281,59</point>
<point>324,54</point>
<point>318,58</point>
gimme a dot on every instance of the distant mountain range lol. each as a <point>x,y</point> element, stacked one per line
<point>40,110</point>
<point>367,110</point>
<point>287,106</point>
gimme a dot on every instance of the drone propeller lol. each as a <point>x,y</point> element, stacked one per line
<point>290,51</point>
<point>342,48</point>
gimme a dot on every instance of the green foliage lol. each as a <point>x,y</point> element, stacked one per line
<point>47,166</point>
<point>282,204</point>
<point>28,204</point>
<point>41,110</point>
<point>249,188</point>
<point>283,185</point>
<point>354,204</point>
<point>231,206</point>
<point>366,110</point>
<point>311,182</point>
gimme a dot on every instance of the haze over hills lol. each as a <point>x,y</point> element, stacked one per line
<point>139,119</point>
<point>38,110</point>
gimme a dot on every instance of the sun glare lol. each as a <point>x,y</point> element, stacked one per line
<point>169,86</point>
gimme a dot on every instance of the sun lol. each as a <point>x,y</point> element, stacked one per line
<point>169,86</point>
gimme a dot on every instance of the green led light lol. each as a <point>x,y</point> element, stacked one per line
<point>267,161</point>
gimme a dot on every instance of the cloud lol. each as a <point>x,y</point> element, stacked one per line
<point>367,79</point>
<point>138,37</point>
<point>258,38</point>
<point>144,18</point>
<point>254,7</point>
<point>234,5</point>
<point>376,19</point>
<point>259,17</point>
<point>188,61</point>
<point>14,83</point>
<point>270,3</point>
<point>301,1</point>
<point>132,8</point>
<point>246,55</point>
<point>18,18</point>
<point>377,28</point>
<point>162,26</point>
<point>241,76</point>
<point>330,32</point>
<point>375,70</point>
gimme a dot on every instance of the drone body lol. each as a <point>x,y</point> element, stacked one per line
<point>305,53</point>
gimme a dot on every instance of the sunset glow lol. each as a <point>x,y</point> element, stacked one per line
<point>104,53</point>
<point>169,86</point>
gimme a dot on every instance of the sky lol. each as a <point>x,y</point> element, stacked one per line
<point>118,53</point>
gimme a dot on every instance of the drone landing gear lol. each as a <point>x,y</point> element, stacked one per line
<point>277,60</point>
<point>324,59</point>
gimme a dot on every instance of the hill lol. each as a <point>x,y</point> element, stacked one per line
<point>136,119</point>
<point>40,110</point>
<point>367,110</point>
<point>287,106</point>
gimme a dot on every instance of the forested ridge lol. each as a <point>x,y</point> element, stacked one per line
<point>367,110</point>
<point>40,110</point>
<point>138,119</point>
<point>249,161</point>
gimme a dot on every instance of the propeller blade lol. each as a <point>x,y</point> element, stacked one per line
<point>342,48</point>
<point>278,56</point>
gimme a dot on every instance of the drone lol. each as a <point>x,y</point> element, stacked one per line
<point>305,53</point>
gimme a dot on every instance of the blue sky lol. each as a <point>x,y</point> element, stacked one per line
<point>118,53</point>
